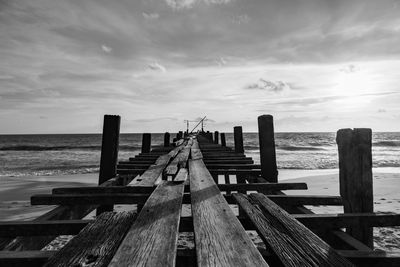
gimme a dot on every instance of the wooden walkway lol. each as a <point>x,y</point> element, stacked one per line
<point>160,182</point>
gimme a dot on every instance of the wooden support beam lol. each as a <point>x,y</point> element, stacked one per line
<point>186,257</point>
<point>31,258</point>
<point>291,242</point>
<point>219,237</point>
<point>152,239</point>
<point>38,228</point>
<point>355,176</point>
<point>129,198</point>
<point>150,189</point>
<point>233,166</point>
<point>88,199</point>
<point>269,170</point>
<point>96,243</point>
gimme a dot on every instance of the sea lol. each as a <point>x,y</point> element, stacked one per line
<point>58,154</point>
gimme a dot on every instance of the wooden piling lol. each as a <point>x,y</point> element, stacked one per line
<point>355,174</point>
<point>109,153</point>
<point>223,141</point>
<point>216,137</point>
<point>179,135</point>
<point>269,170</point>
<point>146,143</point>
<point>238,138</point>
<point>166,139</point>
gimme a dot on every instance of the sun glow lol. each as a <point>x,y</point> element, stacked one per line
<point>354,83</point>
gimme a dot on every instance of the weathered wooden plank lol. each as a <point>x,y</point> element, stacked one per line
<point>372,258</point>
<point>182,176</point>
<point>219,237</point>
<point>133,198</point>
<point>152,239</point>
<point>96,243</point>
<point>89,199</point>
<point>292,242</point>
<point>187,258</point>
<point>178,162</point>
<point>37,228</point>
<point>103,190</point>
<point>262,186</point>
<point>150,189</point>
<point>335,221</point>
<point>233,166</point>
<point>31,258</point>
<point>154,173</point>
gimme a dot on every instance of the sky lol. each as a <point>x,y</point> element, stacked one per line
<point>315,65</point>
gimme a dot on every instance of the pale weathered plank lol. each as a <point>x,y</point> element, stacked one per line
<point>178,162</point>
<point>219,237</point>
<point>96,243</point>
<point>152,239</point>
<point>181,176</point>
<point>293,243</point>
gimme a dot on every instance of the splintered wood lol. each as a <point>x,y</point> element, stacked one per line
<point>152,239</point>
<point>96,243</point>
<point>292,242</point>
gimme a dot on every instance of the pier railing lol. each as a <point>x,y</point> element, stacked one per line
<point>161,179</point>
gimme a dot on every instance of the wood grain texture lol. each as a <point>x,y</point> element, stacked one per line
<point>178,162</point>
<point>219,237</point>
<point>152,239</point>
<point>355,176</point>
<point>96,244</point>
<point>292,242</point>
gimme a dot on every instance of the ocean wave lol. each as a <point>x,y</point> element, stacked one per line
<point>300,148</point>
<point>393,143</point>
<point>58,148</point>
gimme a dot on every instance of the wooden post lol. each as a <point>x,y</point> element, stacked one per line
<point>269,170</point>
<point>146,143</point>
<point>223,141</point>
<point>179,135</point>
<point>109,153</point>
<point>166,139</point>
<point>216,137</point>
<point>238,138</point>
<point>355,176</point>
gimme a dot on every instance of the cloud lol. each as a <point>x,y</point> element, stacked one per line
<point>241,19</point>
<point>221,61</point>
<point>187,4</point>
<point>262,84</point>
<point>106,49</point>
<point>151,16</point>
<point>156,67</point>
<point>180,4</point>
<point>350,69</point>
<point>381,110</point>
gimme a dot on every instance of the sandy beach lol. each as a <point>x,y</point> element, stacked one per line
<point>15,195</point>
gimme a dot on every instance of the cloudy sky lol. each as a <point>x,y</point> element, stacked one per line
<point>315,65</point>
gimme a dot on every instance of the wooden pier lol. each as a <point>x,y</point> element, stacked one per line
<point>163,178</point>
